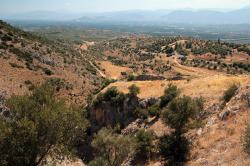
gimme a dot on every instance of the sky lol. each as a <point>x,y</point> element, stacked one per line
<point>82,6</point>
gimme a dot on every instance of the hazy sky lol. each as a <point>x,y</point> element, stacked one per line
<point>17,6</point>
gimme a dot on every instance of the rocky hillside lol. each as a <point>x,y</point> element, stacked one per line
<point>27,60</point>
<point>147,100</point>
<point>220,141</point>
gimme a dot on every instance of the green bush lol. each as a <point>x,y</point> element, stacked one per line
<point>30,85</point>
<point>111,148</point>
<point>180,114</point>
<point>175,149</point>
<point>131,77</point>
<point>47,71</point>
<point>105,83</point>
<point>134,90</point>
<point>111,95</point>
<point>40,124</point>
<point>141,113</point>
<point>100,161</point>
<point>169,50</point>
<point>22,55</point>
<point>170,93</point>
<point>230,92</point>
<point>144,140</point>
<point>154,110</point>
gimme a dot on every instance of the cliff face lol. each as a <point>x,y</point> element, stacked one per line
<point>106,114</point>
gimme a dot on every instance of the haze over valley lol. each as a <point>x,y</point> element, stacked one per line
<point>124,83</point>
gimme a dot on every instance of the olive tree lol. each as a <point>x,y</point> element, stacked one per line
<point>112,148</point>
<point>179,115</point>
<point>39,126</point>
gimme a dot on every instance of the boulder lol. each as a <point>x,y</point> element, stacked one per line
<point>229,111</point>
<point>239,102</point>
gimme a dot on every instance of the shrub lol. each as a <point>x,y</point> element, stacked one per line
<point>144,140</point>
<point>141,113</point>
<point>14,65</point>
<point>230,92</point>
<point>30,85</point>
<point>112,149</point>
<point>180,112</point>
<point>22,55</point>
<point>28,82</point>
<point>169,50</point>
<point>134,90</point>
<point>99,162</point>
<point>179,115</point>
<point>131,77</point>
<point>6,38</point>
<point>40,125</point>
<point>47,71</point>
<point>59,84</point>
<point>175,149</point>
<point>30,66</point>
<point>111,95</point>
<point>105,83</point>
<point>154,110</point>
<point>91,69</point>
<point>170,93</point>
<point>3,46</point>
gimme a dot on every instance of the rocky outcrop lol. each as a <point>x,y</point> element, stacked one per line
<point>108,114</point>
<point>239,102</point>
<point>44,59</point>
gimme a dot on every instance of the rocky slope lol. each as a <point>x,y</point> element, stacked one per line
<point>78,74</point>
<point>27,60</point>
<point>220,141</point>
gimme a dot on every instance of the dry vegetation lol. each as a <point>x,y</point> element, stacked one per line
<point>112,71</point>
<point>25,57</point>
<point>208,87</point>
<point>81,71</point>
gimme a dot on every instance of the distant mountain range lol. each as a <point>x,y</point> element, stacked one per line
<point>209,17</point>
<point>241,16</point>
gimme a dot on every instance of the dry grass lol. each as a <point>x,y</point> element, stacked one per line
<point>222,144</point>
<point>211,88</point>
<point>112,71</point>
<point>238,57</point>
<point>12,80</point>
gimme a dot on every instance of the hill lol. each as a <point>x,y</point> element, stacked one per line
<point>177,16</point>
<point>141,98</point>
<point>27,60</point>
